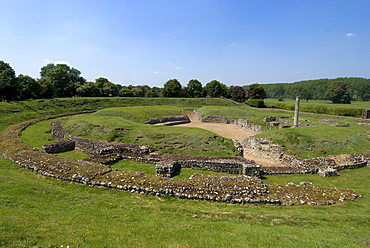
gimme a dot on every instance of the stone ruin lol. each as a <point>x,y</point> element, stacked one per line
<point>58,147</point>
<point>108,153</point>
<point>274,122</point>
<point>169,121</point>
<point>237,190</point>
<point>210,118</point>
<point>332,123</point>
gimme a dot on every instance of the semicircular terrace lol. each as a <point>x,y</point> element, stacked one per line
<point>239,189</point>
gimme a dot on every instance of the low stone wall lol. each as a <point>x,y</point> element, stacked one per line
<point>363,123</point>
<point>171,120</point>
<point>230,166</point>
<point>334,124</point>
<point>283,119</point>
<point>246,125</point>
<point>57,147</point>
<point>210,118</point>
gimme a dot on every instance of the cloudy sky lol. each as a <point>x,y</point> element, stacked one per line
<point>237,42</point>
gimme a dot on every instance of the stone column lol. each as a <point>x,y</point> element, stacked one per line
<point>296,112</point>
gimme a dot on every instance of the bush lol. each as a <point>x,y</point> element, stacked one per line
<point>258,103</point>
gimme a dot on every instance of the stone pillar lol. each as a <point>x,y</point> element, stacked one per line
<point>296,114</point>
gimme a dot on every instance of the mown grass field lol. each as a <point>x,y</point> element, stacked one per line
<point>37,211</point>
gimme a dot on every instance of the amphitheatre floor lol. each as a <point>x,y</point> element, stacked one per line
<point>230,131</point>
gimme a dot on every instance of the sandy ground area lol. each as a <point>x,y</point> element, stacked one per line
<point>229,131</point>
<point>232,132</point>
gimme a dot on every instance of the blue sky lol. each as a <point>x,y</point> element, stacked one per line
<point>237,42</point>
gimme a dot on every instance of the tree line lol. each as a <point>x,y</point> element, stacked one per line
<point>320,89</point>
<point>61,80</point>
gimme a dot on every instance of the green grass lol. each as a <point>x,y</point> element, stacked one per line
<point>141,114</point>
<point>354,104</point>
<point>180,140</point>
<point>35,135</point>
<point>37,211</point>
<point>44,212</point>
<point>183,173</point>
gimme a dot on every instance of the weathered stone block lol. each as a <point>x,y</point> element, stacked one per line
<point>328,172</point>
<point>57,147</point>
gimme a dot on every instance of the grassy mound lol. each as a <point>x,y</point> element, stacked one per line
<point>112,125</point>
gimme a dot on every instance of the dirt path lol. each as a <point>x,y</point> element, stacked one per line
<point>230,131</point>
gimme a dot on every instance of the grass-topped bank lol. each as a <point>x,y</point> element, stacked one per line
<point>125,125</point>
<point>15,112</point>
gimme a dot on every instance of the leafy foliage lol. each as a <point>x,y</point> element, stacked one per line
<point>358,88</point>
<point>255,91</point>
<point>237,94</point>
<point>194,89</point>
<point>172,88</point>
<point>64,79</point>
<point>216,89</point>
<point>8,82</point>
<point>338,93</point>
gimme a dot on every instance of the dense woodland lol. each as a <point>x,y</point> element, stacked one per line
<point>61,80</point>
<point>357,88</point>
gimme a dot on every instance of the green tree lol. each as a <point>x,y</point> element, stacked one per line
<point>126,91</point>
<point>194,89</point>
<point>88,89</point>
<point>106,88</point>
<point>237,94</point>
<point>28,88</point>
<point>8,82</point>
<point>153,92</point>
<point>64,79</point>
<point>305,94</point>
<point>172,88</point>
<point>47,88</point>
<point>338,93</point>
<point>255,91</point>
<point>363,90</point>
<point>216,89</point>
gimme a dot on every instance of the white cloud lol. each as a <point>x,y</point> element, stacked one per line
<point>49,61</point>
<point>350,34</point>
<point>61,62</point>
<point>179,67</point>
<point>156,72</point>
